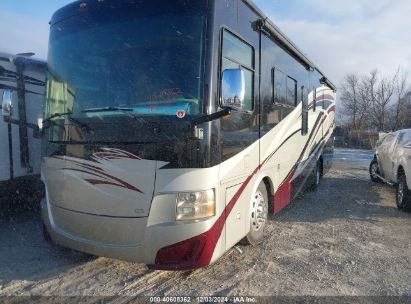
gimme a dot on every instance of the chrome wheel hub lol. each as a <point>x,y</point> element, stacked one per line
<point>258,212</point>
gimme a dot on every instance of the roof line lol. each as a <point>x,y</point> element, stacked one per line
<point>287,43</point>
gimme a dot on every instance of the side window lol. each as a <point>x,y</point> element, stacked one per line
<point>388,140</point>
<point>405,138</point>
<point>284,88</point>
<point>279,80</point>
<point>291,91</point>
<point>238,54</point>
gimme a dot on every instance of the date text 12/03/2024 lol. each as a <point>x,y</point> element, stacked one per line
<point>235,299</point>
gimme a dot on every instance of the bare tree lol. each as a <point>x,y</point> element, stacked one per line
<point>407,115</point>
<point>376,102</point>
<point>400,108</point>
<point>368,89</point>
<point>372,103</point>
<point>383,95</point>
<point>350,99</point>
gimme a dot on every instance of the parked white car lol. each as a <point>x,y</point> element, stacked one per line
<point>392,165</point>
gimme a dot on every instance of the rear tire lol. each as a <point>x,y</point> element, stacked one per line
<point>47,236</point>
<point>375,171</point>
<point>403,195</point>
<point>316,176</point>
<point>258,216</point>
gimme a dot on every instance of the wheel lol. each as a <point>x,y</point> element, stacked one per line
<point>258,216</point>
<point>316,176</point>
<point>403,194</point>
<point>46,236</point>
<point>375,171</point>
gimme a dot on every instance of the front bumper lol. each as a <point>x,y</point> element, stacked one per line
<point>151,240</point>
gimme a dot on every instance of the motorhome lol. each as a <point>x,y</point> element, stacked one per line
<point>22,86</point>
<point>174,128</point>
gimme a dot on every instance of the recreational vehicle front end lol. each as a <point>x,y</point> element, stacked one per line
<point>174,127</point>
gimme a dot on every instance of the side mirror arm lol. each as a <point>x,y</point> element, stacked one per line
<point>224,112</point>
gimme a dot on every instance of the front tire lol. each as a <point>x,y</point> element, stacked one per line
<point>258,216</point>
<point>374,171</point>
<point>403,195</point>
<point>47,236</point>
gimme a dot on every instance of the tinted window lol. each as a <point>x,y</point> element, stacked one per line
<point>279,85</point>
<point>284,88</point>
<point>237,50</point>
<point>405,138</point>
<point>388,140</point>
<point>291,91</point>
<point>238,54</point>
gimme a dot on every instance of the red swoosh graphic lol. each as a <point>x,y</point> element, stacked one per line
<point>105,178</point>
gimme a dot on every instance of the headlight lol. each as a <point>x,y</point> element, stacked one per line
<point>195,205</point>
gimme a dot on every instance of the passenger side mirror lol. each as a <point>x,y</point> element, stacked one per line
<point>233,89</point>
<point>6,105</point>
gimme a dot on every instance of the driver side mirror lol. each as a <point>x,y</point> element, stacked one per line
<point>233,89</point>
<point>6,105</point>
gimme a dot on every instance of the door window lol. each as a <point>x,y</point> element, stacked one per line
<point>239,55</point>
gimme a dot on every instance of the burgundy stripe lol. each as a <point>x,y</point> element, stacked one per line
<point>122,183</point>
<point>83,171</point>
<point>212,235</point>
<point>77,162</point>
<point>326,96</point>
<point>117,153</point>
<point>283,194</point>
<point>318,102</point>
<point>103,182</point>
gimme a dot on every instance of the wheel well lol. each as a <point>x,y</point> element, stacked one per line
<point>270,193</point>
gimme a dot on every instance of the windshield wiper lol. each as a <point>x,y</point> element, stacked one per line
<point>107,109</point>
<point>68,115</point>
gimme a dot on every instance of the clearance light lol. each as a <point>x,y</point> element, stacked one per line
<point>195,205</point>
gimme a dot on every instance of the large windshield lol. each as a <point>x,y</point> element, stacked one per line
<point>144,57</point>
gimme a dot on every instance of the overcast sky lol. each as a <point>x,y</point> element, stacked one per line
<point>340,36</point>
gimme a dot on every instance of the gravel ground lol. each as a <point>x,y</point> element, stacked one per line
<point>346,238</point>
